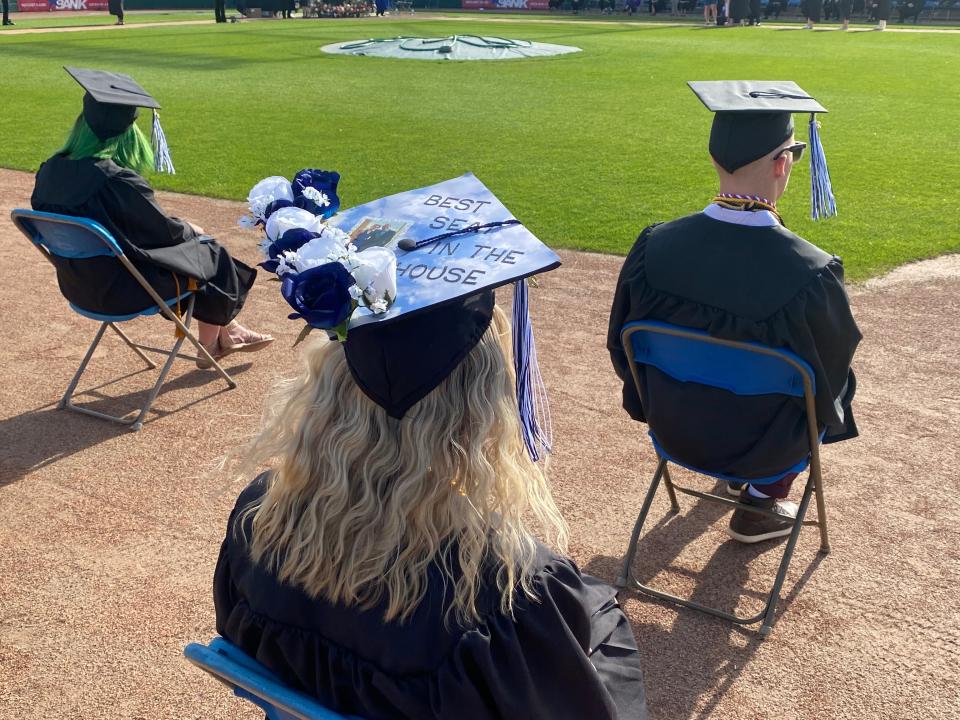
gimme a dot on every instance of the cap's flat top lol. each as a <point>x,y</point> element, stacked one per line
<point>112,88</point>
<point>448,269</point>
<point>754,96</point>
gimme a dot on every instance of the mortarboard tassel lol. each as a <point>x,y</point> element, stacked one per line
<point>822,202</point>
<point>161,151</point>
<point>531,392</point>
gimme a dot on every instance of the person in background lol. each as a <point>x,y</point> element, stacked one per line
<point>97,175</point>
<point>735,271</point>
<point>812,9</point>
<point>6,13</point>
<point>754,12</point>
<point>710,12</point>
<point>115,7</point>
<point>739,10</point>
<point>220,11</point>
<point>910,8</point>
<point>381,6</point>
<point>773,8</point>
<point>844,10</point>
<point>882,10</point>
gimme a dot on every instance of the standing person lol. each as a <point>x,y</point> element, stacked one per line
<point>710,13</point>
<point>883,14</point>
<point>844,10</point>
<point>739,10</point>
<point>736,272</point>
<point>220,11</point>
<point>97,175</point>
<point>382,7</point>
<point>754,12</point>
<point>6,13</point>
<point>813,10</point>
<point>115,7</point>
<point>386,563</point>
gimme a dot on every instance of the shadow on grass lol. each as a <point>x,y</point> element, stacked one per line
<point>41,437</point>
<point>691,665</point>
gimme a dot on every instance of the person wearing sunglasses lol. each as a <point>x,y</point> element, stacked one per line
<point>737,272</point>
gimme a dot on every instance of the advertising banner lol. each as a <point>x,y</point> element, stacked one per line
<point>505,4</point>
<point>54,5</point>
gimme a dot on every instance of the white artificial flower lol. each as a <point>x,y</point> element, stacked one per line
<point>286,219</point>
<point>376,274</point>
<point>275,187</point>
<point>320,198</point>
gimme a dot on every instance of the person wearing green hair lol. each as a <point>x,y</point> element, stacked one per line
<point>97,174</point>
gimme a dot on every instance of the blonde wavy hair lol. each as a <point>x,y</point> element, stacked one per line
<point>359,504</point>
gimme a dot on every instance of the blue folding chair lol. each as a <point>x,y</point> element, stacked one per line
<point>252,681</point>
<point>79,238</point>
<point>742,368</point>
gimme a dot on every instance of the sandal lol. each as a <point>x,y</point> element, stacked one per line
<point>216,352</point>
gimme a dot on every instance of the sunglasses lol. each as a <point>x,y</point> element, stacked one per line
<point>796,149</point>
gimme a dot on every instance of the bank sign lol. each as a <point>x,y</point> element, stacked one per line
<point>54,5</point>
<point>505,4</point>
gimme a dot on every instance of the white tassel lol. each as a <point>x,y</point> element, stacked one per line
<point>162,162</point>
<point>822,202</point>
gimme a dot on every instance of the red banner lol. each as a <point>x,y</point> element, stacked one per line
<point>53,5</point>
<point>505,4</point>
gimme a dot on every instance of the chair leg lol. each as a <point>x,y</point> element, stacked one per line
<point>65,400</point>
<point>774,598</point>
<point>670,491</point>
<point>815,472</point>
<point>172,316</point>
<point>625,575</point>
<point>133,346</point>
<point>137,424</point>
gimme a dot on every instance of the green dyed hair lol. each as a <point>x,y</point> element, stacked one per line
<point>129,149</point>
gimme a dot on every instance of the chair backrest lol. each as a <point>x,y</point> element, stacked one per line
<point>252,681</point>
<point>743,368</point>
<point>66,236</point>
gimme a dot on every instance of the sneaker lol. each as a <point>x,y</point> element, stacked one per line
<point>748,527</point>
<point>734,489</point>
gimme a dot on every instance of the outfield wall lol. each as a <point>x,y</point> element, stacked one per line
<point>48,5</point>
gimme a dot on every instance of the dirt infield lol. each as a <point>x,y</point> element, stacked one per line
<point>109,538</point>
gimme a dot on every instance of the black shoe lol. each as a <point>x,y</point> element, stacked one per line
<point>748,527</point>
<point>9,22</point>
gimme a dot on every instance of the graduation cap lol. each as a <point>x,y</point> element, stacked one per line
<point>754,117</point>
<point>448,246</point>
<point>110,107</point>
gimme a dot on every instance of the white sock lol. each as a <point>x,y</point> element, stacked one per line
<point>756,493</point>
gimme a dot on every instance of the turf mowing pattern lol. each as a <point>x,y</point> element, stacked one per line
<point>586,149</point>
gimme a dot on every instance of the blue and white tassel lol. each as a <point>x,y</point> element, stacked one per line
<point>534,408</point>
<point>162,161</point>
<point>822,202</point>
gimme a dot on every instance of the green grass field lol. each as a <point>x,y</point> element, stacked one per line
<point>585,149</point>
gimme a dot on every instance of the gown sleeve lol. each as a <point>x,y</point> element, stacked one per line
<point>133,207</point>
<point>818,325</point>
<point>568,655</point>
<point>628,303</point>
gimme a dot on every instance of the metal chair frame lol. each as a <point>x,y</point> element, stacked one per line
<point>814,485</point>
<point>252,681</point>
<point>23,219</point>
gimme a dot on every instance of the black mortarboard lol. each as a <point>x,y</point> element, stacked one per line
<point>110,107</point>
<point>753,118</point>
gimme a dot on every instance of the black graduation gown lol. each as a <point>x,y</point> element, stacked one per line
<point>159,246</point>
<point>739,10</point>
<point>570,656</point>
<point>763,284</point>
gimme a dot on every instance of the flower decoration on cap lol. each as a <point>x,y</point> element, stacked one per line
<point>323,277</point>
<point>313,191</point>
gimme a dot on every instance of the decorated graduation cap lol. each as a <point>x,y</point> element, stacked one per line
<point>754,117</point>
<point>110,107</point>
<point>407,281</point>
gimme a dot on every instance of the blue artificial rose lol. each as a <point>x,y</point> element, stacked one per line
<point>323,182</point>
<point>274,206</point>
<point>292,240</point>
<point>320,295</point>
